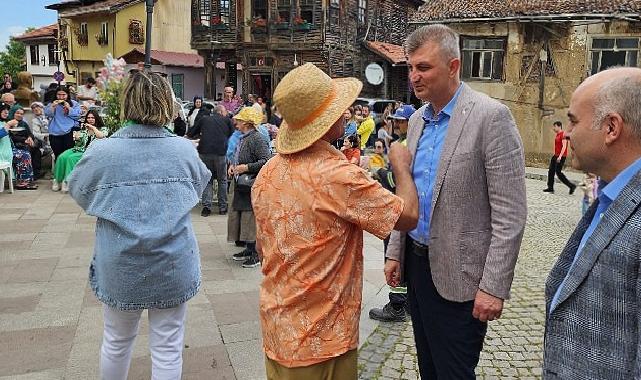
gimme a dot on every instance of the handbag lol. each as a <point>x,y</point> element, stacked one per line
<point>245,181</point>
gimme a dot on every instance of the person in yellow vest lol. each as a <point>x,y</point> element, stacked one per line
<point>367,126</point>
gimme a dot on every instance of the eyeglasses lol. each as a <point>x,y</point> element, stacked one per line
<point>378,147</point>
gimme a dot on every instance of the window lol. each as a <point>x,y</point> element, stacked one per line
<point>53,54</point>
<point>34,53</point>
<point>201,12</point>
<point>178,85</point>
<point>224,11</point>
<point>608,52</point>
<point>284,11</point>
<point>362,12</point>
<point>259,9</point>
<point>307,10</point>
<point>483,58</point>
<point>136,32</point>
<point>103,38</point>
<point>334,12</point>
<point>83,34</point>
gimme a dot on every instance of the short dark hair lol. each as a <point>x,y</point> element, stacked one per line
<point>380,141</point>
<point>558,122</point>
<point>353,141</point>
<point>365,106</point>
<point>90,80</point>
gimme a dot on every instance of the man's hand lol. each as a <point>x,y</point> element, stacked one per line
<point>558,160</point>
<point>487,307</point>
<point>392,272</point>
<point>29,141</point>
<point>400,156</point>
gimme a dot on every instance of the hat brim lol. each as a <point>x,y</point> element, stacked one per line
<point>292,140</point>
<point>397,118</point>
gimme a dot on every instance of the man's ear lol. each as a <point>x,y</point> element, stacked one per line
<point>614,125</point>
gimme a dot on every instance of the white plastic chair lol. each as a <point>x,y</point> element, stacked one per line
<point>9,168</point>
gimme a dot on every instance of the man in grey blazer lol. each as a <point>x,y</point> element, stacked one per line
<point>469,170</point>
<point>593,293</point>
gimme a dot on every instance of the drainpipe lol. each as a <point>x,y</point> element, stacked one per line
<point>150,12</point>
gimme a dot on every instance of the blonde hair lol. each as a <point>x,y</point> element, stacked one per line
<point>147,99</point>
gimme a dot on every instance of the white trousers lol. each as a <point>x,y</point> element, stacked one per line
<point>166,336</point>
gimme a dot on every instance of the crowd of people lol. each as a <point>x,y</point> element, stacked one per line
<point>444,188</point>
<point>61,128</point>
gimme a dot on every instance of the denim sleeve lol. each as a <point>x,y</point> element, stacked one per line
<point>3,133</point>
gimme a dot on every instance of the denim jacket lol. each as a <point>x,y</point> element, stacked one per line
<point>141,184</point>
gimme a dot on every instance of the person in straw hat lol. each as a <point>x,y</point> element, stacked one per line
<point>311,208</point>
<point>250,155</point>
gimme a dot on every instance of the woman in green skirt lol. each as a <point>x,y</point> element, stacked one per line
<point>92,128</point>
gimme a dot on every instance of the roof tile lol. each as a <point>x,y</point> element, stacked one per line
<point>446,10</point>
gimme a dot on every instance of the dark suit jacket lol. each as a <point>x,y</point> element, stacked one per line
<point>593,332</point>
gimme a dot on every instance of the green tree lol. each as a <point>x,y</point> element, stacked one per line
<point>12,59</point>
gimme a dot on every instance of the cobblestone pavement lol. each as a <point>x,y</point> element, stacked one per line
<point>513,346</point>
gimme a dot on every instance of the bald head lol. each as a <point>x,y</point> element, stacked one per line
<point>616,91</point>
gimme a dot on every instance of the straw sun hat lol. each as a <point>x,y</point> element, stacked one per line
<point>310,103</point>
<point>249,114</point>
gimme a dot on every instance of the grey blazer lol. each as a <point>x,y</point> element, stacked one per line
<point>593,332</point>
<point>479,205</point>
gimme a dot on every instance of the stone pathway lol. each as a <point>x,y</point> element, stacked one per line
<point>513,346</point>
<point>51,324</point>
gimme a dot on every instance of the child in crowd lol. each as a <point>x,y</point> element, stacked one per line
<point>590,186</point>
<point>351,149</point>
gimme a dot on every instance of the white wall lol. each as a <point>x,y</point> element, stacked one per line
<point>42,72</point>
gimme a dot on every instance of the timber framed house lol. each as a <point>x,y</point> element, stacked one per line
<point>262,40</point>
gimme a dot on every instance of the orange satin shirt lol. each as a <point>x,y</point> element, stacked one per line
<point>311,209</point>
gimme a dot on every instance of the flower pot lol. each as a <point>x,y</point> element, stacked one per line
<point>220,26</point>
<point>281,26</point>
<point>303,27</point>
<point>259,29</point>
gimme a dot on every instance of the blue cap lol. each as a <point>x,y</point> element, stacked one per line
<point>403,112</point>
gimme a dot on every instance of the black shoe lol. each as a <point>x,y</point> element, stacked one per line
<point>251,262</point>
<point>242,255</point>
<point>239,243</point>
<point>388,314</point>
<point>548,191</point>
<point>222,211</point>
<point>206,211</point>
<point>572,189</point>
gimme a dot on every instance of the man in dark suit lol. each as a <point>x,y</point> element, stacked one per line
<point>593,293</point>
<point>469,170</point>
<point>213,130</point>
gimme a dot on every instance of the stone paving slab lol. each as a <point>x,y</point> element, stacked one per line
<point>513,345</point>
<point>51,323</point>
<point>46,302</point>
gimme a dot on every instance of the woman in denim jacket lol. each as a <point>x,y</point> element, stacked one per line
<point>141,184</point>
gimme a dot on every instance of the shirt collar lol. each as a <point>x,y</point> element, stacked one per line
<point>614,188</point>
<point>447,110</point>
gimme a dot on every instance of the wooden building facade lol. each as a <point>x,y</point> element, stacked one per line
<point>268,38</point>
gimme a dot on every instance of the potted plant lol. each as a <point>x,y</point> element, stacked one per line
<point>301,24</point>
<point>218,23</point>
<point>259,25</point>
<point>279,23</point>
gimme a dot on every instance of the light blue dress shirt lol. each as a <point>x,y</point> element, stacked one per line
<point>428,155</point>
<point>607,195</point>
